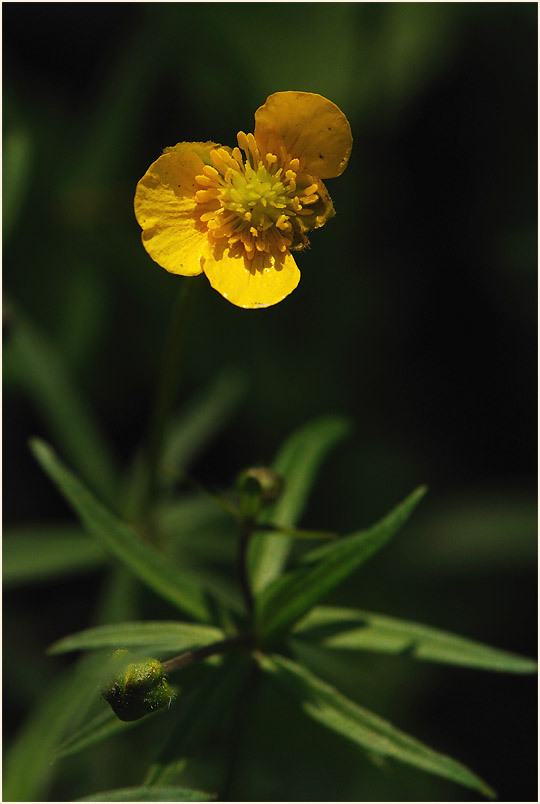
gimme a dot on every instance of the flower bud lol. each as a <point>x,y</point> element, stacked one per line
<point>258,486</point>
<point>141,688</point>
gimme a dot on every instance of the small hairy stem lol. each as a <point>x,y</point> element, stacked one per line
<point>196,655</point>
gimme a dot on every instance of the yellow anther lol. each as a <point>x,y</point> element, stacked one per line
<point>204,181</point>
<point>207,216</point>
<point>242,141</point>
<point>211,172</point>
<point>217,159</point>
<point>206,195</point>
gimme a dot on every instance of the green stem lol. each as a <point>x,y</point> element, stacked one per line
<point>246,529</point>
<point>168,384</point>
<point>197,654</point>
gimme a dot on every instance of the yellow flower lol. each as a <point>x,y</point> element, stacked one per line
<point>237,217</point>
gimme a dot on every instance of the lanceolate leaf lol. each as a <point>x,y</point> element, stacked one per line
<point>152,568</point>
<point>295,593</point>
<point>158,635</point>
<point>41,553</point>
<point>350,629</point>
<point>148,793</point>
<point>44,376</point>
<point>298,462</point>
<point>100,728</point>
<point>329,707</point>
<point>27,766</point>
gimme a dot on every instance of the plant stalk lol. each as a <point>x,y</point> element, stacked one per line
<point>197,654</point>
<point>246,530</point>
<point>181,316</point>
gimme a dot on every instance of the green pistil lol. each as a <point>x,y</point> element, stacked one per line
<point>259,192</point>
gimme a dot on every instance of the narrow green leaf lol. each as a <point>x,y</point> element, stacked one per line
<point>198,525</point>
<point>172,636</point>
<point>47,552</point>
<point>204,417</point>
<point>288,598</point>
<point>290,532</point>
<point>98,729</point>
<point>150,566</point>
<point>298,462</point>
<point>44,376</point>
<point>27,767</point>
<point>350,629</point>
<point>208,704</point>
<point>329,707</point>
<point>17,158</point>
<point>148,793</point>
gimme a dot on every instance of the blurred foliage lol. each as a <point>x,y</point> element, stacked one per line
<point>415,317</point>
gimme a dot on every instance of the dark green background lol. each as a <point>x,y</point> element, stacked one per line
<point>415,316</point>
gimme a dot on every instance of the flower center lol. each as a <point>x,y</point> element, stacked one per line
<point>254,203</point>
<point>257,192</point>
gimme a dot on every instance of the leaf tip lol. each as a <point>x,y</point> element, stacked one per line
<point>40,449</point>
<point>489,792</point>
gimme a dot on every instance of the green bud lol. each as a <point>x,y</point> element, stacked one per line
<point>141,688</point>
<point>258,486</point>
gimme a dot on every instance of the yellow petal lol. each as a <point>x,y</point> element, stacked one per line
<point>260,282</point>
<point>202,149</point>
<point>164,208</point>
<point>310,127</point>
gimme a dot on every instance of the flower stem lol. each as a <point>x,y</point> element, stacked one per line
<point>181,315</point>
<point>246,529</point>
<point>197,654</point>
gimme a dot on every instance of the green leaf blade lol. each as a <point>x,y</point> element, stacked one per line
<point>150,793</point>
<point>290,597</point>
<point>170,636</point>
<point>41,372</point>
<point>27,767</point>
<point>368,731</point>
<point>150,566</point>
<point>298,462</point>
<point>351,629</point>
<point>97,730</point>
<point>31,555</point>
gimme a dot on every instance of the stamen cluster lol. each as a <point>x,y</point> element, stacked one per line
<point>255,203</point>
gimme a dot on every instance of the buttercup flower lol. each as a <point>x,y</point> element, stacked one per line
<point>237,216</point>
